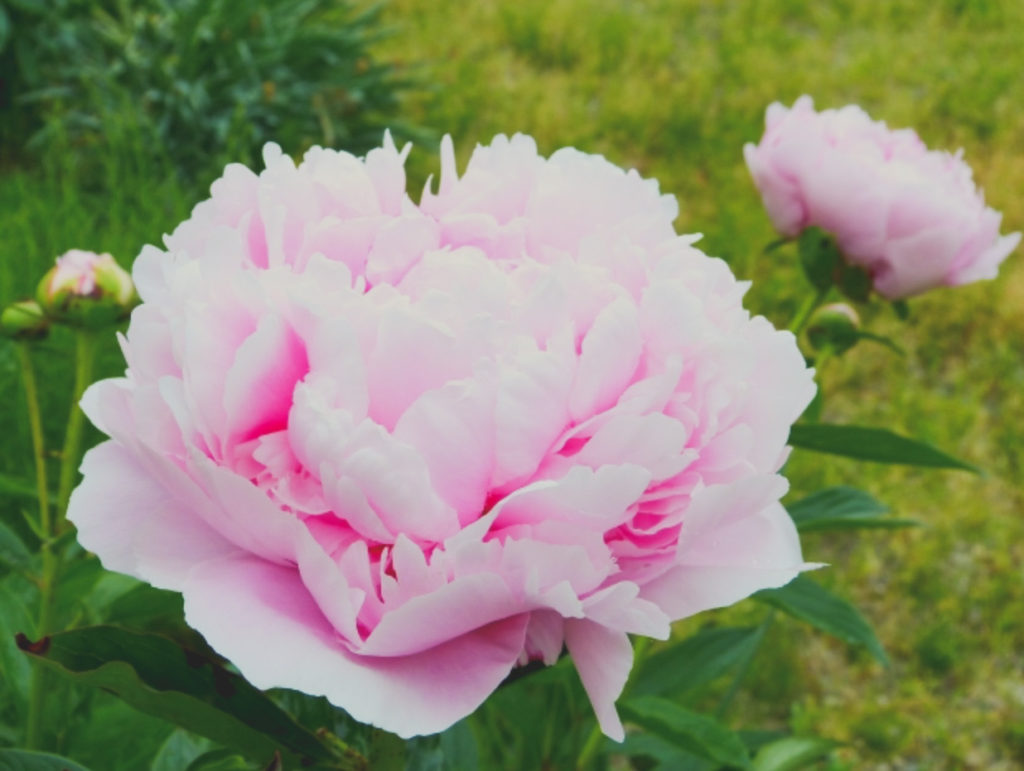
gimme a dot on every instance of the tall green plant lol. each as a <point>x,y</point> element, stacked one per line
<point>192,83</point>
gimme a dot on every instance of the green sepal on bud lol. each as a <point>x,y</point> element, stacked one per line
<point>819,258</point>
<point>824,266</point>
<point>834,327</point>
<point>24,320</point>
<point>87,290</point>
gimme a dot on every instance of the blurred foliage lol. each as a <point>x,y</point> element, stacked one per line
<point>192,84</point>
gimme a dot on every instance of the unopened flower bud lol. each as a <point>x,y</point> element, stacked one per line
<point>87,289</point>
<point>24,320</point>
<point>835,326</point>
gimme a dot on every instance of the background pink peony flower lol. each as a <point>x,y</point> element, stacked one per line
<point>911,217</point>
<point>390,451</point>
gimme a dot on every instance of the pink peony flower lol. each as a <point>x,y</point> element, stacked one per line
<point>389,452</point>
<point>911,217</point>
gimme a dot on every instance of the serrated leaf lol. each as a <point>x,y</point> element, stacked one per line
<point>156,676</point>
<point>696,660</point>
<point>691,732</point>
<point>792,753</point>
<point>874,444</point>
<point>809,601</point>
<point>26,760</point>
<point>842,508</point>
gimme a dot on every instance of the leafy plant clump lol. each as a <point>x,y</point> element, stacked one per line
<point>193,83</point>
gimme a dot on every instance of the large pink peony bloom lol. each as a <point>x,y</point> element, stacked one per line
<point>911,217</point>
<point>388,452</point>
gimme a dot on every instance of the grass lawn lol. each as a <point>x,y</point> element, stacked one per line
<point>675,89</point>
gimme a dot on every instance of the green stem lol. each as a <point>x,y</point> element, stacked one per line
<point>37,689</point>
<point>593,744</point>
<point>819,360</point>
<point>85,355</point>
<point>35,423</point>
<point>804,314</point>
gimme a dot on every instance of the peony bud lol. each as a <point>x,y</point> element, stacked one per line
<point>24,320</point>
<point>87,289</point>
<point>835,326</point>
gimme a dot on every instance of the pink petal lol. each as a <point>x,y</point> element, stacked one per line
<point>135,525</point>
<point>261,617</point>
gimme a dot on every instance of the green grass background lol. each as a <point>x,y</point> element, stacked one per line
<point>674,88</point>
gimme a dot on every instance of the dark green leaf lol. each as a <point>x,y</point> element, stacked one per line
<point>902,309</point>
<point>24,760</point>
<point>874,444</point>
<point>792,753</point>
<point>842,508</point>
<point>156,676</point>
<point>691,732</point>
<point>696,660</point>
<point>819,257</point>
<point>809,601</point>
<point>13,552</point>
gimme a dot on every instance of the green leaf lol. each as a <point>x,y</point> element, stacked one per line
<point>5,28</point>
<point>809,601</point>
<point>459,749</point>
<point>25,760</point>
<point>665,756</point>
<point>13,552</point>
<point>874,444</point>
<point>180,749</point>
<point>156,676</point>
<point>696,660</point>
<point>387,751</point>
<point>888,342</point>
<point>819,257</point>
<point>792,753</point>
<point>17,614</point>
<point>221,760</point>
<point>691,732</point>
<point>902,309</point>
<point>842,508</point>
<point>17,487</point>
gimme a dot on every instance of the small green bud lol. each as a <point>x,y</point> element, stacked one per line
<point>85,289</point>
<point>24,320</point>
<point>834,326</point>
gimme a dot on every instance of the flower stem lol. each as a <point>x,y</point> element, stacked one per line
<point>85,355</point>
<point>804,314</point>
<point>593,744</point>
<point>33,723</point>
